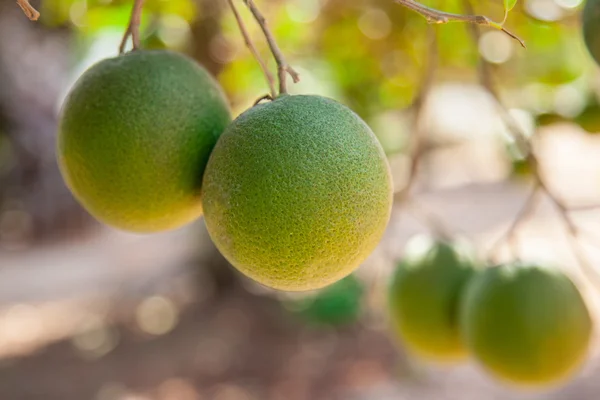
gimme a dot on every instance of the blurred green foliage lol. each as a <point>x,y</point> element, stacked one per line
<point>91,16</point>
<point>370,54</point>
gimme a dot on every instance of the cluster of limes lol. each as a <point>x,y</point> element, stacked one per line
<point>525,324</point>
<point>295,192</point>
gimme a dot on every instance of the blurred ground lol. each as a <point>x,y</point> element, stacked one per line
<point>113,316</point>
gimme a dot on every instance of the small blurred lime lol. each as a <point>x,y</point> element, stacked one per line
<point>337,304</point>
<point>424,298</point>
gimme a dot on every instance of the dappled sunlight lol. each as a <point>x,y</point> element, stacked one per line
<point>157,315</point>
<point>177,389</point>
<point>95,338</point>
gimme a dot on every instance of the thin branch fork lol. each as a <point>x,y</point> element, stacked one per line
<point>434,16</point>
<point>510,235</point>
<point>283,68</point>
<point>133,29</point>
<point>29,10</point>
<point>573,236</point>
<point>435,224</point>
<point>485,78</point>
<point>250,45</point>
<point>584,208</point>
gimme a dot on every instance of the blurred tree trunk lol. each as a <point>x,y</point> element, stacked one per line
<point>34,202</point>
<point>205,30</point>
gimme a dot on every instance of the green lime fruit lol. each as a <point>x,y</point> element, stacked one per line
<point>135,134</point>
<point>424,298</point>
<point>591,27</point>
<point>337,304</point>
<point>526,325</point>
<point>297,192</point>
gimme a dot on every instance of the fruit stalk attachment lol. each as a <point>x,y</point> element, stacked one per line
<point>29,10</point>
<point>434,16</point>
<point>133,28</point>
<point>268,75</point>
<point>283,68</point>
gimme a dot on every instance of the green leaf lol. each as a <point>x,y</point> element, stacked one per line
<point>509,5</point>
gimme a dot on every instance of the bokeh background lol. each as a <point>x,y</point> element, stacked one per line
<point>91,313</point>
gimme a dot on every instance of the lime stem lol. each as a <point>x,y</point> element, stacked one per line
<point>29,10</point>
<point>133,28</point>
<point>283,68</point>
<point>268,75</point>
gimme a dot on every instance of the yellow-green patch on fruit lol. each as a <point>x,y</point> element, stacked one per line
<point>424,298</point>
<point>297,192</point>
<point>134,138</point>
<point>525,324</point>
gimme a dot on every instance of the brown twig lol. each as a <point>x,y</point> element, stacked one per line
<point>268,75</point>
<point>29,10</point>
<point>283,68</point>
<point>264,97</point>
<point>434,16</point>
<point>486,80</point>
<point>133,28</point>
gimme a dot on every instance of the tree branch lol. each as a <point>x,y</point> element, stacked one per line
<point>29,10</point>
<point>283,68</point>
<point>417,107</point>
<point>584,208</point>
<point>133,29</point>
<point>435,224</point>
<point>485,77</point>
<point>510,235</point>
<point>573,236</point>
<point>268,75</point>
<point>434,16</point>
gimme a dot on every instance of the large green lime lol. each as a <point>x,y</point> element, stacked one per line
<point>135,135</point>
<point>424,296</point>
<point>525,324</point>
<point>297,192</point>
